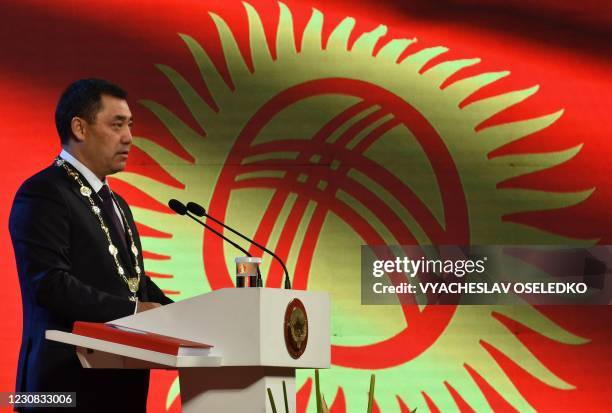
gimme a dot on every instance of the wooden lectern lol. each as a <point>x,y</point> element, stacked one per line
<point>258,336</point>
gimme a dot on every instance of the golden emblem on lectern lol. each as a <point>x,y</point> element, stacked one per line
<point>296,328</point>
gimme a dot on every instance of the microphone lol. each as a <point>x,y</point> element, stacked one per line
<point>178,207</point>
<point>199,210</point>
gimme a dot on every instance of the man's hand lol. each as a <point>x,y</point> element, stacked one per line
<point>146,305</point>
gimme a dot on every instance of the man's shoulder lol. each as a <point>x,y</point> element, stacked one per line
<point>37,197</point>
<point>46,180</point>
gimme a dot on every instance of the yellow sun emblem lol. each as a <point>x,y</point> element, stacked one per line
<point>316,151</point>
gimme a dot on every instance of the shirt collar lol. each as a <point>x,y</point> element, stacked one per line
<point>92,179</point>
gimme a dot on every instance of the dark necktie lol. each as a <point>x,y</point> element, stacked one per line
<point>109,210</point>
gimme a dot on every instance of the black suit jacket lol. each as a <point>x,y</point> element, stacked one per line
<point>67,274</point>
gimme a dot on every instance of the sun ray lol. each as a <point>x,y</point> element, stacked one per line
<point>158,246</point>
<point>483,109</point>
<point>518,165</point>
<point>155,219</point>
<point>443,399</point>
<point>536,321</point>
<point>200,110</point>
<point>233,57</point>
<point>260,52</point>
<point>497,136</point>
<point>464,88</point>
<point>393,49</point>
<point>189,139</point>
<point>160,154</point>
<point>521,200</point>
<point>155,189</point>
<point>365,43</point>
<point>176,166</point>
<point>160,266</point>
<point>210,76</point>
<point>439,73</point>
<point>512,347</point>
<point>173,393</point>
<point>339,37</point>
<point>464,385</point>
<point>285,38</point>
<point>312,36</point>
<point>497,379</point>
<point>416,61</point>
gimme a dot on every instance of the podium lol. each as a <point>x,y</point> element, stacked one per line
<point>259,339</point>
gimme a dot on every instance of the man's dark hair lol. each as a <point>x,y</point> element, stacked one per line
<point>82,99</point>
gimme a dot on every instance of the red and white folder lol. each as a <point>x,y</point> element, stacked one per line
<point>141,339</point>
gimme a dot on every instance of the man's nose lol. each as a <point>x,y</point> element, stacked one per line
<point>126,137</point>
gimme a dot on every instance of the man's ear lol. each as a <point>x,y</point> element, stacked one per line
<point>78,127</point>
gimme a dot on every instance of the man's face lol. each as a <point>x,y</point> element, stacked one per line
<point>108,138</point>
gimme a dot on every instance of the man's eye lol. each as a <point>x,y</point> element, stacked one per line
<point>117,125</point>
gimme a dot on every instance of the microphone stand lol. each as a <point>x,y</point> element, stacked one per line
<point>200,211</point>
<point>180,209</point>
<point>259,281</point>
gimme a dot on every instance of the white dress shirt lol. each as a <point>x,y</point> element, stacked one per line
<point>95,182</point>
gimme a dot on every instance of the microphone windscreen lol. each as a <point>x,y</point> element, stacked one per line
<point>177,206</point>
<point>196,209</point>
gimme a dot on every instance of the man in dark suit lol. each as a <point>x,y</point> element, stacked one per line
<point>78,253</point>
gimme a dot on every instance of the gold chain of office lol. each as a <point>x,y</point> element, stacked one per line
<point>87,191</point>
